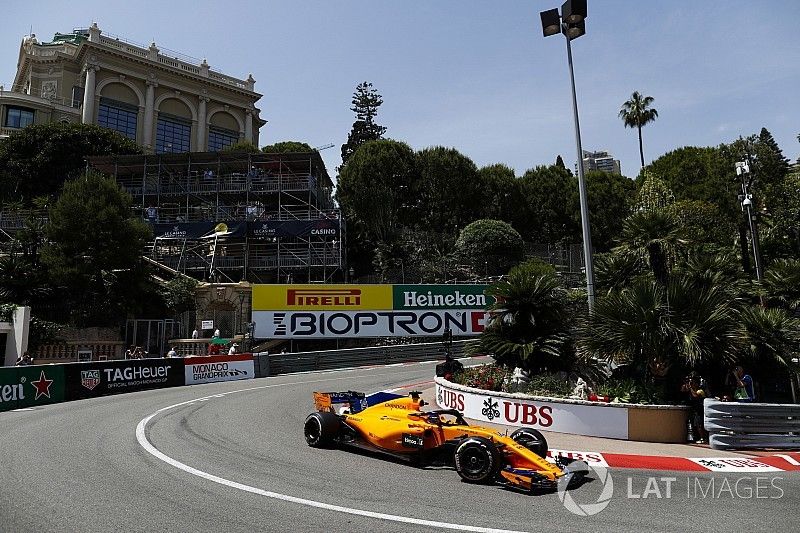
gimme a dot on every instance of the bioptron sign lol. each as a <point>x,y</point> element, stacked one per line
<point>331,311</point>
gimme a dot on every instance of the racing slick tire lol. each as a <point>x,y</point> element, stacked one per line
<point>477,460</point>
<point>531,439</point>
<point>321,429</point>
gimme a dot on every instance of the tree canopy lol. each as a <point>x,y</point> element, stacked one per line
<point>285,147</point>
<point>38,159</point>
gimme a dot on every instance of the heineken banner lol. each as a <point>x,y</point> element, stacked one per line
<point>29,386</point>
<point>88,380</point>
<point>331,311</point>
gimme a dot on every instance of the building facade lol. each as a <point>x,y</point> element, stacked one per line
<point>602,161</point>
<point>163,101</point>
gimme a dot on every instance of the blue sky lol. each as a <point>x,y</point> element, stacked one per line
<point>476,75</point>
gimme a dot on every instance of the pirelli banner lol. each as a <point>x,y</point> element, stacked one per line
<point>339,311</point>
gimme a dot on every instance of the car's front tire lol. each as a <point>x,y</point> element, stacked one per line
<point>321,429</point>
<point>477,460</point>
<point>531,439</point>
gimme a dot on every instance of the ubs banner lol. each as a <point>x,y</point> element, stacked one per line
<point>219,368</point>
<point>331,311</point>
<point>88,380</point>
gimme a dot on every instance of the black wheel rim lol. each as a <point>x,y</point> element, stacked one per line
<point>313,430</point>
<point>474,461</point>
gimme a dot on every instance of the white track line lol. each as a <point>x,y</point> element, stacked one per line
<point>141,436</point>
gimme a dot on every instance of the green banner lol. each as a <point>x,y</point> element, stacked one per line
<point>440,297</point>
<point>29,386</point>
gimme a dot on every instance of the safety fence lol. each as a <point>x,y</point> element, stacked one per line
<point>738,426</point>
<point>287,363</point>
<point>32,386</point>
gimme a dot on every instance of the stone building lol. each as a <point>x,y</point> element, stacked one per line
<point>164,101</point>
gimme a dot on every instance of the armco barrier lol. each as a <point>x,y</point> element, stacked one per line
<point>738,426</point>
<point>285,363</point>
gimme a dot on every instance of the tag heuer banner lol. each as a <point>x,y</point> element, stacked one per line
<point>331,311</point>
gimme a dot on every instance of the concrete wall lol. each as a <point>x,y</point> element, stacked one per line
<point>17,334</point>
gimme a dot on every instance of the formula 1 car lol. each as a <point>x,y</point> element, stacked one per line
<point>395,425</point>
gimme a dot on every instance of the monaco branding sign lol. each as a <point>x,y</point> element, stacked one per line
<point>340,311</point>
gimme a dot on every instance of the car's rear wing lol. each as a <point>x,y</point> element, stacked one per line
<point>354,401</point>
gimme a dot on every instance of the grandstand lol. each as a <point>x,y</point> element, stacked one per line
<point>231,217</point>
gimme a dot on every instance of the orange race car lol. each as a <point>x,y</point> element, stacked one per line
<point>396,425</point>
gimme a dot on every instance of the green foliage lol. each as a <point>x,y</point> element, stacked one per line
<point>652,327</point>
<point>374,193</point>
<point>93,242</point>
<point>616,270</point>
<point>502,196</point>
<point>781,231</point>
<point>547,384</point>
<point>287,147</point>
<point>447,190</point>
<point>528,322</point>
<point>773,336</point>
<point>42,332</point>
<point>37,160</point>
<point>637,113</point>
<point>366,102</point>
<point>486,377</point>
<point>179,294</point>
<point>7,311</point>
<point>654,236</point>
<point>610,197</point>
<point>21,281</point>
<point>242,147</point>
<point>552,211</point>
<point>703,221</point>
<point>490,246</point>
<point>653,194</point>
<point>630,390</point>
<point>781,284</point>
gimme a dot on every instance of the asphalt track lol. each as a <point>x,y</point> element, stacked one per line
<point>237,461</point>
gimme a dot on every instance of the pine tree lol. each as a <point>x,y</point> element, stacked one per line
<point>772,165</point>
<point>366,102</point>
<point>560,162</point>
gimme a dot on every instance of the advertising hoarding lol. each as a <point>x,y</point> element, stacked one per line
<point>218,368</point>
<point>342,311</point>
<point>29,386</point>
<point>89,380</point>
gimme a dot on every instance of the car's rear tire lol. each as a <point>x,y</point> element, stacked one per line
<point>321,429</point>
<point>531,439</point>
<point>477,460</point>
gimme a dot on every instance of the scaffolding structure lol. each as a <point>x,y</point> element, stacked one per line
<point>230,217</point>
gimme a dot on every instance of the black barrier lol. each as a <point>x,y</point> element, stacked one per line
<point>89,380</point>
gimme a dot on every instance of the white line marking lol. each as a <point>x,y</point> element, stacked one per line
<point>788,458</point>
<point>141,436</point>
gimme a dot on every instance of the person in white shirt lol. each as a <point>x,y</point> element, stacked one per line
<point>195,334</point>
<point>232,351</point>
<point>172,353</point>
<point>216,333</point>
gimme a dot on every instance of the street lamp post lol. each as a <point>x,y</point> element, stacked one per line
<point>571,23</point>
<point>746,198</point>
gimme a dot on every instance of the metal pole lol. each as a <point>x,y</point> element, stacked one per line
<point>587,236</point>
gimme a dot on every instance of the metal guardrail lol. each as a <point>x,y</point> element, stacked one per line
<point>286,363</point>
<point>736,426</point>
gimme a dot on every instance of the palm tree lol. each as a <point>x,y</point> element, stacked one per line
<point>654,235</point>
<point>636,113</point>
<point>528,320</point>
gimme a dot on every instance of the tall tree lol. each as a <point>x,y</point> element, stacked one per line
<point>374,192</point>
<point>94,245</point>
<point>636,113</point>
<point>560,162</point>
<point>366,102</point>
<point>37,160</point>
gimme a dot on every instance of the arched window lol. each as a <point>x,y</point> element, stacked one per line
<point>118,116</point>
<point>221,138</point>
<point>173,134</point>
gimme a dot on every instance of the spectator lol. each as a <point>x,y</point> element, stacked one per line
<point>24,360</point>
<point>129,353</point>
<point>449,368</point>
<point>152,214</point>
<point>696,393</point>
<point>744,386</point>
<point>216,333</point>
<point>173,352</point>
<point>195,334</point>
<point>232,351</point>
